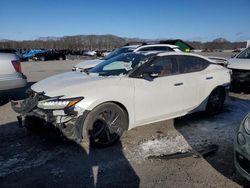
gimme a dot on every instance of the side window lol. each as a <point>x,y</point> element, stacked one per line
<point>162,48</point>
<point>245,54</point>
<point>165,66</point>
<point>189,64</point>
<point>156,48</point>
<point>146,49</point>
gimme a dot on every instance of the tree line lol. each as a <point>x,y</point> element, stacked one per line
<point>103,42</point>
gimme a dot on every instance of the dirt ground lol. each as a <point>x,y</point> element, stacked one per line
<point>139,160</point>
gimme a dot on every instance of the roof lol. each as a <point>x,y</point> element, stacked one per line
<point>131,46</point>
<point>175,41</point>
<point>152,45</point>
<point>181,53</point>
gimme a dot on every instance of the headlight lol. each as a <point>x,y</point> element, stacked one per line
<point>246,124</point>
<point>58,103</point>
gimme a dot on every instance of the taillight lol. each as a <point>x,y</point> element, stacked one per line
<point>17,65</point>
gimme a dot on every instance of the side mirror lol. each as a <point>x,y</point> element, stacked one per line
<point>150,73</point>
<point>153,74</point>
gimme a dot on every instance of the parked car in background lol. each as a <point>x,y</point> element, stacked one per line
<point>123,92</point>
<point>11,76</point>
<point>29,54</point>
<point>86,65</point>
<point>49,55</point>
<point>242,149</point>
<point>102,53</point>
<point>240,66</point>
<point>12,51</point>
<point>90,53</point>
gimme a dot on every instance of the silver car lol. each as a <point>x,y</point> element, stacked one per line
<point>11,76</point>
<point>240,66</point>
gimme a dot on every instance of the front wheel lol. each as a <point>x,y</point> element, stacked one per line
<point>216,101</point>
<point>105,124</point>
<point>42,58</point>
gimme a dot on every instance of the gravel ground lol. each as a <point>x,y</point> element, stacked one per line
<point>48,160</point>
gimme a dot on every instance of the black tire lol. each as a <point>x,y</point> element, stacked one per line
<point>216,101</point>
<point>105,124</point>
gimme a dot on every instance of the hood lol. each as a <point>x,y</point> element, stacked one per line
<point>236,63</point>
<point>70,84</point>
<point>88,63</point>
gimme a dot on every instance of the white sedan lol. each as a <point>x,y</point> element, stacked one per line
<point>124,92</point>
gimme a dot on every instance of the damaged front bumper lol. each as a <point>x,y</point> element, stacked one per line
<point>68,120</point>
<point>241,76</point>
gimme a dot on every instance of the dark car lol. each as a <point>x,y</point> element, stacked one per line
<point>11,51</point>
<point>50,55</point>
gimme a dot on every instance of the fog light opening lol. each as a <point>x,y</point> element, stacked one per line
<point>241,139</point>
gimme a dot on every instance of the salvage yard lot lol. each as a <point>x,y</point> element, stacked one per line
<point>139,160</point>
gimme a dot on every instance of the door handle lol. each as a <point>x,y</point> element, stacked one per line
<point>209,78</point>
<point>178,84</point>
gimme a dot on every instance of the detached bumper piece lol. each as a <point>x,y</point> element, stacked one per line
<point>27,104</point>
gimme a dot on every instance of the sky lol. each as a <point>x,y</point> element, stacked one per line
<point>199,20</point>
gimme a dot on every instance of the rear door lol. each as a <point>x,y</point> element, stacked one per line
<point>162,97</point>
<point>193,70</point>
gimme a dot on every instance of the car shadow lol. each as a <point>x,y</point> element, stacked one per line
<point>48,159</point>
<point>17,94</point>
<point>201,130</point>
<point>245,90</point>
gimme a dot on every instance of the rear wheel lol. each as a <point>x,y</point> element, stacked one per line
<point>105,124</point>
<point>216,101</point>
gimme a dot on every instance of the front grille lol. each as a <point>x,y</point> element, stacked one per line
<point>243,162</point>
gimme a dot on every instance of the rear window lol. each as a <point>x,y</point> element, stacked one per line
<point>189,64</point>
<point>156,48</point>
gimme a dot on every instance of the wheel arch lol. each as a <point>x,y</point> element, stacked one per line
<point>223,87</point>
<point>121,105</point>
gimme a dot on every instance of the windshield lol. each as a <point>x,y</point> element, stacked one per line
<point>116,52</point>
<point>245,54</point>
<point>119,65</point>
